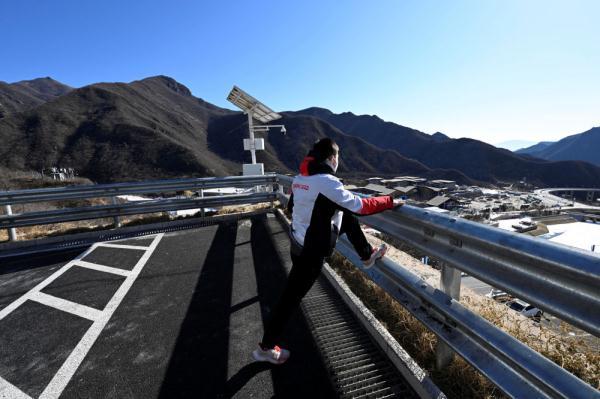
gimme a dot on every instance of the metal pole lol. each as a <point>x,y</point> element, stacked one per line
<point>12,233</point>
<point>251,128</point>
<point>117,222</point>
<point>449,284</point>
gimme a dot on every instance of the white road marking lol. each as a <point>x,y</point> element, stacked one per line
<point>9,391</point>
<point>99,318</point>
<point>103,268</point>
<point>65,373</point>
<point>66,306</point>
<point>122,246</point>
<point>22,299</point>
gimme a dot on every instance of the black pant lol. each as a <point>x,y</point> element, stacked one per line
<point>306,268</point>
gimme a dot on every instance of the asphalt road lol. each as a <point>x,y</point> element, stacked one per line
<point>478,286</point>
<point>167,316</point>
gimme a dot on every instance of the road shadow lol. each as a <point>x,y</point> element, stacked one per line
<point>35,261</point>
<point>241,378</point>
<point>304,374</point>
<point>198,364</point>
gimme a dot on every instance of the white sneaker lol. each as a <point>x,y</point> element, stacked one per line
<point>376,254</point>
<point>276,355</point>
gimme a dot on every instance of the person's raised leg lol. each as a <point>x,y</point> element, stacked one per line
<point>351,226</point>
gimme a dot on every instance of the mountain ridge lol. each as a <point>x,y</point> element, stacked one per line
<point>582,146</point>
<point>156,128</point>
<point>27,94</point>
<point>476,159</point>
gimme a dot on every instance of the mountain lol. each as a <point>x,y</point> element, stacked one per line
<point>583,147</point>
<point>534,149</point>
<point>374,130</point>
<point>513,145</point>
<point>155,128</point>
<point>440,137</point>
<point>152,128</point>
<point>285,152</point>
<point>27,94</point>
<point>476,159</point>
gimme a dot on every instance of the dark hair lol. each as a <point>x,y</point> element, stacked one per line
<point>323,149</point>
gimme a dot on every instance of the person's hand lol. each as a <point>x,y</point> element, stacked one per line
<point>398,202</point>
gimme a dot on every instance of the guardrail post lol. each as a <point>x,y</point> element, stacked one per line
<point>450,284</point>
<point>275,188</point>
<point>12,232</point>
<point>202,212</point>
<point>117,222</point>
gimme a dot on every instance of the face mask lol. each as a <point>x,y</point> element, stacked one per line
<point>333,164</point>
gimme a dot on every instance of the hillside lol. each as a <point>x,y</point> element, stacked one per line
<point>476,159</point>
<point>287,151</point>
<point>155,128</point>
<point>27,94</point>
<point>582,147</point>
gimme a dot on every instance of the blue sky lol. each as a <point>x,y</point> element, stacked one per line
<point>491,70</point>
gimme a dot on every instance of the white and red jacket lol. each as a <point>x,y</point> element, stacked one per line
<point>317,204</point>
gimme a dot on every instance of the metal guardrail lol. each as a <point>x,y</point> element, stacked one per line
<point>555,278</point>
<point>12,220</point>
<point>565,282</point>
<point>111,190</point>
<point>133,208</point>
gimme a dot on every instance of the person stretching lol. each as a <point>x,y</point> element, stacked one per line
<point>321,210</point>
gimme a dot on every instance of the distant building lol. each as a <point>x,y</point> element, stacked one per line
<point>468,193</point>
<point>379,189</point>
<point>374,180</point>
<point>447,184</point>
<point>59,173</point>
<point>443,202</point>
<point>403,181</point>
<point>425,193</point>
<point>408,191</point>
<point>391,183</point>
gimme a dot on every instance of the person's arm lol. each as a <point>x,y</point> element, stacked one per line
<point>335,191</point>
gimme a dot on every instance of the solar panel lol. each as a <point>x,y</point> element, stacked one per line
<point>249,104</point>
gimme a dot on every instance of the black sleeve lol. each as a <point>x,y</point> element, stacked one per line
<point>290,204</point>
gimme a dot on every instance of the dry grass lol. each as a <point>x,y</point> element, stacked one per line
<point>230,209</point>
<point>460,380</point>
<point>457,381</point>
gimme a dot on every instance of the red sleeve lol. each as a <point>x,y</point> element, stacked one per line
<point>373,205</point>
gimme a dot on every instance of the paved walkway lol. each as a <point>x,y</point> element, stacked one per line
<point>171,315</point>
